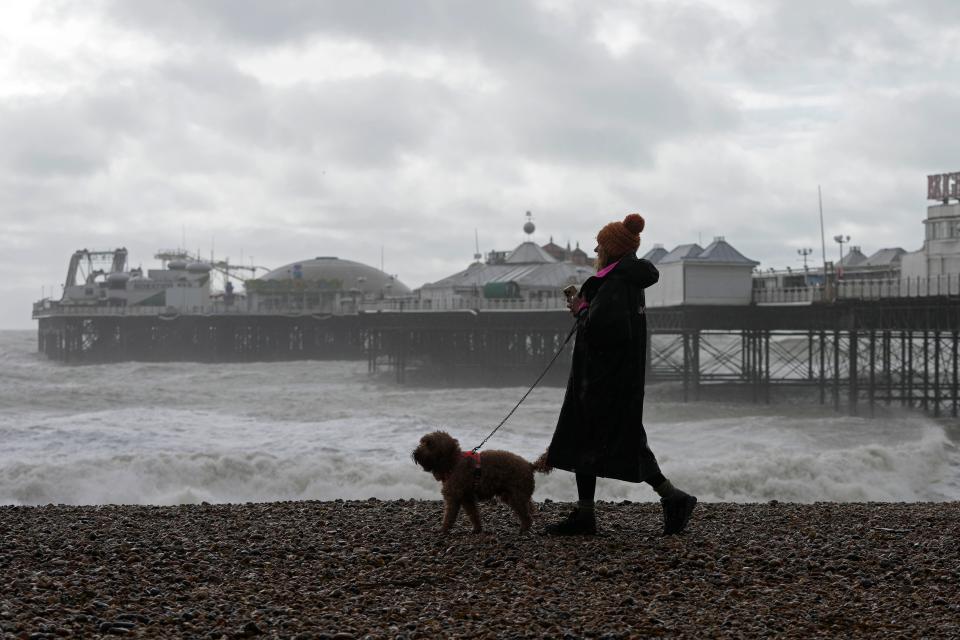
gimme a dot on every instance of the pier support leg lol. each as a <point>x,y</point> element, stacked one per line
<point>695,347</point>
<point>888,378</point>
<point>745,355</point>
<point>401,362</point>
<point>854,381</point>
<point>836,371</point>
<point>873,369</point>
<point>926,371</point>
<point>906,394</point>
<point>823,368</point>
<point>370,341</point>
<point>953,411</point>
<point>766,367</point>
<point>936,374</point>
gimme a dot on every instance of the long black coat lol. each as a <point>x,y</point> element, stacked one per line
<point>600,429</point>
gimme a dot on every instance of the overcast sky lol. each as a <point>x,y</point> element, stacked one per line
<point>287,129</point>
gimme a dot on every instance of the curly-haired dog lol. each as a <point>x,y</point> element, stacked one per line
<point>469,477</point>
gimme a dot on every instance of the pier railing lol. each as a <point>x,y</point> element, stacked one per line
<point>945,285</point>
<point>49,308</point>
<point>392,305</point>
<point>465,304</point>
<point>788,295</point>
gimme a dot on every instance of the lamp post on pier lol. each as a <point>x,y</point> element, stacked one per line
<point>841,240</point>
<point>804,252</point>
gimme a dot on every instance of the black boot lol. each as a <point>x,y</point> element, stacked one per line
<point>676,512</point>
<point>577,523</point>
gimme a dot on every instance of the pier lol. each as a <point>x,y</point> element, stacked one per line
<point>870,330</point>
<point>854,354</point>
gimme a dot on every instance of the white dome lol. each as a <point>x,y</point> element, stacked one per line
<point>343,275</point>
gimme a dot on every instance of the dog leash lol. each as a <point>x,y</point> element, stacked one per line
<point>573,330</point>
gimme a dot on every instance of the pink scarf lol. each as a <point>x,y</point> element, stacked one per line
<point>607,269</point>
<point>600,274</point>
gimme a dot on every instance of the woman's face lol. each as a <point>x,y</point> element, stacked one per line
<point>602,257</point>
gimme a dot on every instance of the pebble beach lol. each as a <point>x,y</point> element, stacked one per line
<point>379,569</point>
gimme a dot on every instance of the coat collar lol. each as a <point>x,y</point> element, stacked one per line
<point>607,269</point>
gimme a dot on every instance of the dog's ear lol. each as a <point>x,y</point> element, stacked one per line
<point>450,445</point>
<point>444,451</point>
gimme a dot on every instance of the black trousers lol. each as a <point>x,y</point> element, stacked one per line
<point>587,485</point>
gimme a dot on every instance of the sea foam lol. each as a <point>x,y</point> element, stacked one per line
<point>170,433</point>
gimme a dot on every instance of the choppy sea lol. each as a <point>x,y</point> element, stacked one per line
<point>168,433</point>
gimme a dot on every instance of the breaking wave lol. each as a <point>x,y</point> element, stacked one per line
<point>173,433</point>
<point>923,469</point>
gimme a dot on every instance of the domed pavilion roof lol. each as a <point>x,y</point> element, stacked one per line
<point>340,274</point>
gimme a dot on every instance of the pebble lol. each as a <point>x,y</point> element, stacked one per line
<point>356,569</point>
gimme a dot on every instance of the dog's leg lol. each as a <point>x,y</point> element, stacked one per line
<point>450,512</point>
<point>521,507</point>
<point>473,512</point>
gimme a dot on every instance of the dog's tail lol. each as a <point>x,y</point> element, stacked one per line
<point>541,465</point>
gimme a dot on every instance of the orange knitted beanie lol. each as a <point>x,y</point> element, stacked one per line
<point>620,238</point>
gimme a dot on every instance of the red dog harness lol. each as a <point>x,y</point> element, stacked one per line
<point>475,456</point>
<point>469,455</point>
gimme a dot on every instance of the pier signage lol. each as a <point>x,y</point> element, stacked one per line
<point>943,186</point>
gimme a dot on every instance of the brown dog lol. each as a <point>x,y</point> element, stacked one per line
<point>469,477</point>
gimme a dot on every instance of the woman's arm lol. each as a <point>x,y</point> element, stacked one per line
<point>641,272</point>
<point>606,322</point>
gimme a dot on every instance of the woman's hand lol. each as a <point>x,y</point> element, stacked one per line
<point>573,304</point>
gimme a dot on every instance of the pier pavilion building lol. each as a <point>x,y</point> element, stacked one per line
<point>535,275</point>
<point>940,254</point>
<point>692,275</point>
<point>324,284</point>
<point>529,274</point>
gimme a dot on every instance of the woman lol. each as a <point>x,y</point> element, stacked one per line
<point>600,428</point>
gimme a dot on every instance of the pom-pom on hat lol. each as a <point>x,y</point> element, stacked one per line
<point>620,238</point>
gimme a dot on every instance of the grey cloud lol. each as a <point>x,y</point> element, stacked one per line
<point>498,25</point>
<point>616,113</point>
<point>50,137</point>
<point>368,121</point>
<point>563,98</point>
<point>813,45</point>
<point>910,129</point>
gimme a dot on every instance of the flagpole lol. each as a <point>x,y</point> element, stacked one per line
<point>830,295</point>
<point>823,237</point>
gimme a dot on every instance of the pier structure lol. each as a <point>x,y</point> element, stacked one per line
<point>852,354</point>
<point>855,354</point>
